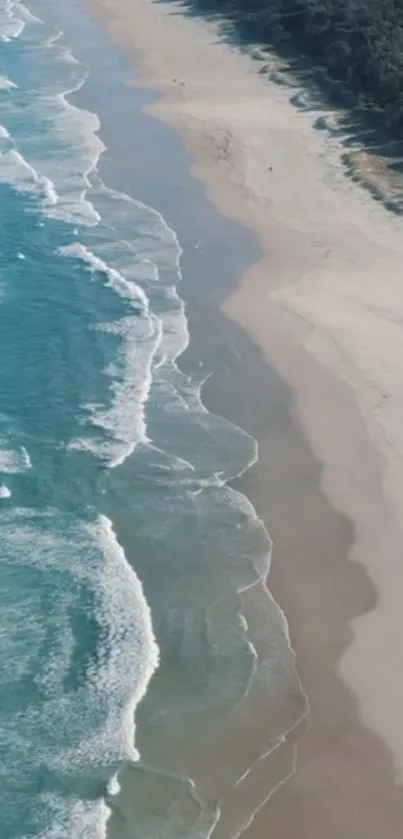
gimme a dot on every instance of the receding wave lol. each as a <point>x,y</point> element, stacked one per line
<point>12,20</point>
<point>17,172</point>
<point>12,461</point>
<point>64,174</point>
<point>125,288</point>
<point>78,725</point>
<point>6,84</point>
<point>130,373</point>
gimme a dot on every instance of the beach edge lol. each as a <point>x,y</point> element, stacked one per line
<point>317,393</point>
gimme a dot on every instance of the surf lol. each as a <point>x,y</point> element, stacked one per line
<point>141,552</point>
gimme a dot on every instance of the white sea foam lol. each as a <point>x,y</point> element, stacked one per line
<point>4,134</point>
<point>151,259</point>
<point>123,601</point>
<point>62,166</point>
<point>73,818</point>
<point>70,168</point>
<point>113,787</point>
<point>17,172</point>
<point>146,344</point>
<point>11,29</point>
<point>175,336</point>
<point>151,247</point>
<point>70,171</point>
<point>14,462</point>
<point>130,374</point>
<point>118,678</point>
<point>4,491</point>
<point>6,84</point>
<point>12,21</point>
<point>26,13</point>
<point>79,729</point>
<point>117,281</point>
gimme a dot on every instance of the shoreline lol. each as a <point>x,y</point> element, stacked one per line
<point>350,470</point>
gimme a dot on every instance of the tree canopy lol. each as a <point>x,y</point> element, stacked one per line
<point>358,42</point>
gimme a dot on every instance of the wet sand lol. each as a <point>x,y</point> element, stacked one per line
<point>344,784</point>
<point>323,308</point>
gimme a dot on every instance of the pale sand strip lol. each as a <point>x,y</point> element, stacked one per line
<point>331,284</point>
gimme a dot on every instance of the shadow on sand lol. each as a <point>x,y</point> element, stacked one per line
<point>372,157</point>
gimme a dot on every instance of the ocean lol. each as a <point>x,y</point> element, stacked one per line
<point>139,643</point>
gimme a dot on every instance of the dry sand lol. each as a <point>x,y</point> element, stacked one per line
<point>326,307</point>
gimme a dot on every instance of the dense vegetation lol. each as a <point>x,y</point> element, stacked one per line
<point>358,42</point>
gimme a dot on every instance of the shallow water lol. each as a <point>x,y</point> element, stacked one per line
<point>101,434</point>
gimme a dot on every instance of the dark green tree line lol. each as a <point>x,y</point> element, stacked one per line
<point>358,42</point>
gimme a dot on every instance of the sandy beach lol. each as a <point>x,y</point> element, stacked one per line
<point>324,306</point>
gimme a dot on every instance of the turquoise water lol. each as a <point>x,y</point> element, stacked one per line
<point>123,552</point>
